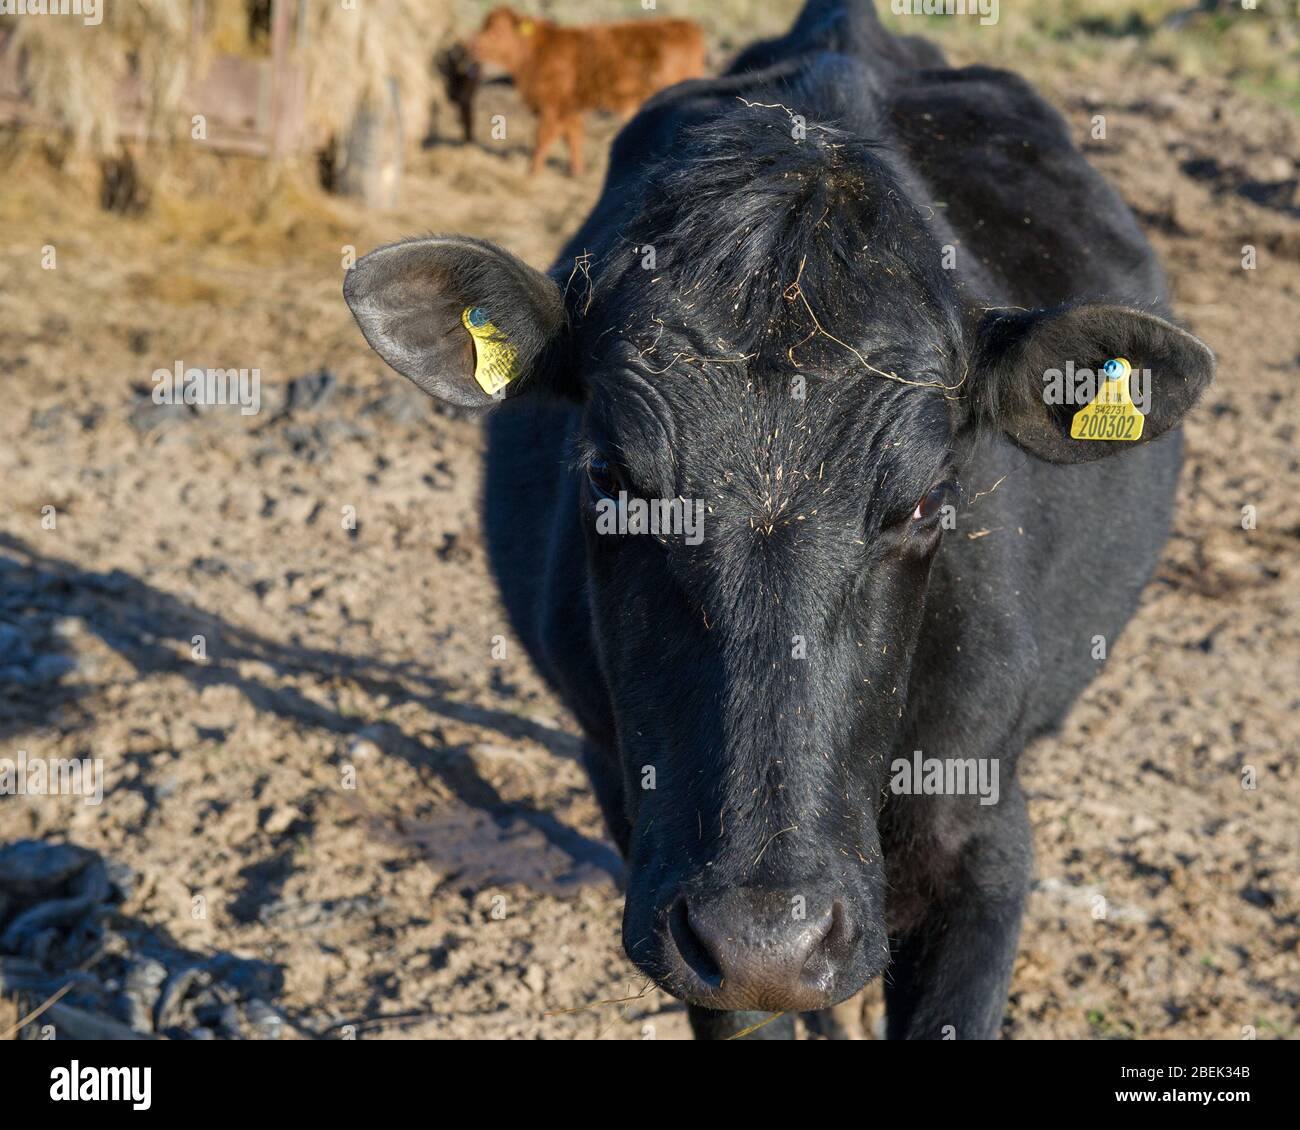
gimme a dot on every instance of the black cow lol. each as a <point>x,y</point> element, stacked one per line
<point>823,297</point>
<point>461,77</point>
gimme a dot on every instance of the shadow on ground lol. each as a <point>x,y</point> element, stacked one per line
<point>484,841</point>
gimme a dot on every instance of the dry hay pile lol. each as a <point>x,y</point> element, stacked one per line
<point>76,75</point>
<point>350,55</point>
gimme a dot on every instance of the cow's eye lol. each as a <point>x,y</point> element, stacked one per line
<point>602,477</point>
<point>933,502</point>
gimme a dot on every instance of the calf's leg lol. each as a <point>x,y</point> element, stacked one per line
<point>465,104</point>
<point>548,129</point>
<point>573,136</point>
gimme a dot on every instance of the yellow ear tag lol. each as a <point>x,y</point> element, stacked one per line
<point>527,27</point>
<point>494,357</point>
<point>1112,413</point>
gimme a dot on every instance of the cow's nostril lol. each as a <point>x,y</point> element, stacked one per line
<point>693,951</point>
<point>834,940</point>
<point>829,944</point>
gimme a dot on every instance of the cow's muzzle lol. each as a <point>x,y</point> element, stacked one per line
<point>762,949</point>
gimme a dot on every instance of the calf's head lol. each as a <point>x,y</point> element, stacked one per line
<point>505,39</point>
<point>772,343</point>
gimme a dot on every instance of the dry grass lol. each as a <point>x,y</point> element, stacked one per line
<point>74,73</point>
<point>1258,49</point>
<point>243,202</point>
<point>200,199</point>
<point>8,1019</point>
<point>351,53</point>
<point>205,198</point>
<point>75,76</point>
<point>728,24</point>
<point>18,1023</point>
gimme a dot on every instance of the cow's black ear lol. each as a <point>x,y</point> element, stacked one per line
<point>1033,376</point>
<point>460,317</point>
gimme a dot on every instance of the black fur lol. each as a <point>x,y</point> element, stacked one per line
<point>797,356</point>
<point>461,77</point>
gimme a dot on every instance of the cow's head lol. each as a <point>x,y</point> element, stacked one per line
<point>773,335</point>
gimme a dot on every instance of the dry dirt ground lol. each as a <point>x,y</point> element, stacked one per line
<point>348,818</point>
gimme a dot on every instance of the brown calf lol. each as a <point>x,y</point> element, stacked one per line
<point>562,72</point>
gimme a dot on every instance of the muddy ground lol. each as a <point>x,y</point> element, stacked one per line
<point>340,815</point>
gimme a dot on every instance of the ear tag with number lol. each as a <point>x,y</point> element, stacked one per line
<point>1112,413</point>
<point>494,357</point>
